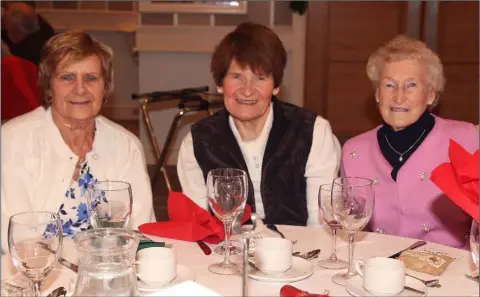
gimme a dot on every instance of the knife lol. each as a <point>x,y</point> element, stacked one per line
<point>413,246</point>
<point>205,248</point>
<point>61,260</point>
<point>275,229</point>
<point>413,290</point>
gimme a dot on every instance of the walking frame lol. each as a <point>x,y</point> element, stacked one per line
<point>190,100</point>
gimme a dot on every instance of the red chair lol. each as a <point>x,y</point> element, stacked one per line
<point>19,90</point>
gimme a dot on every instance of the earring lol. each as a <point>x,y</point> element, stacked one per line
<point>378,101</point>
<point>220,90</point>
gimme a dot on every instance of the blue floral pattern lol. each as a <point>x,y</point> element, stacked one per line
<point>74,211</point>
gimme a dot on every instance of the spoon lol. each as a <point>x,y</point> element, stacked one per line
<point>429,283</point>
<point>60,291</point>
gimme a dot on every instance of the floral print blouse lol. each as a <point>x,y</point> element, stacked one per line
<point>73,211</point>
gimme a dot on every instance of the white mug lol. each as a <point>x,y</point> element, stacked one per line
<point>156,265</point>
<point>382,276</point>
<point>273,255</point>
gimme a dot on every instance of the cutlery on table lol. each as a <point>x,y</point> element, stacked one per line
<point>60,291</point>
<point>205,248</point>
<point>428,283</point>
<point>413,290</point>
<point>275,229</point>
<point>308,255</point>
<point>413,246</point>
<point>471,277</point>
<point>63,261</point>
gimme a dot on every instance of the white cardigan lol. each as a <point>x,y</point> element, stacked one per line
<point>37,166</point>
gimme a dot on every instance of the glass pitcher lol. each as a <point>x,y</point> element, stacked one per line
<point>106,262</point>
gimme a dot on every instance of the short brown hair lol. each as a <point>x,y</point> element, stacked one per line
<point>402,48</point>
<point>252,45</point>
<point>75,46</point>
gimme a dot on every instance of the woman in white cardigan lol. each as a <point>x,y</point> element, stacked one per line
<point>52,154</point>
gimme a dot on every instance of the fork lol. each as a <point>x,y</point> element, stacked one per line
<point>471,277</point>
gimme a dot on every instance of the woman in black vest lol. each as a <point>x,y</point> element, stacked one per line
<point>287,151</point>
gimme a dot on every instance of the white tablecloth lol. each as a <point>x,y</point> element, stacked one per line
<point>367,245</point>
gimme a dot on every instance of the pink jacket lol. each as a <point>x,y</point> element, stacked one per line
<point>413,206</point>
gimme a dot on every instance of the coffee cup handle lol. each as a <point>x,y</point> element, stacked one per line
<point>359,267</point>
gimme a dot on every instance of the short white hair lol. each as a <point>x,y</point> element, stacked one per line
<point>403,48</point>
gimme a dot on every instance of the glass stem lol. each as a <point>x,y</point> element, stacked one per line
<point>36,288</point>
<point>228,226</point>
<point>351,245</point>
<point>333,256</point>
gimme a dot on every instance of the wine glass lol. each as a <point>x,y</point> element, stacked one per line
<point>474,241</point>
<point>227,195</point>
<point>110,204</point>
<point>35,243</point>
<point>234,249</point>
<point>325,203</point>
<point>353,199</point>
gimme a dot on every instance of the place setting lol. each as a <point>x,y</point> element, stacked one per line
<point>273,262</point>
<point>157,269</point>
<point>383,277</point>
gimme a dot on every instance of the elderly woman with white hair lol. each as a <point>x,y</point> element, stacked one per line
<point>400,154</point>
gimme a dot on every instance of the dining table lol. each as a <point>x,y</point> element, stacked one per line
<point>367,244</point>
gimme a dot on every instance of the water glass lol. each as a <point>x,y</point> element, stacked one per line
<point>110,204</point>
<point>325,203</point>
<point>227,194</point>
<point>353,199</point>
<point>35,243</point>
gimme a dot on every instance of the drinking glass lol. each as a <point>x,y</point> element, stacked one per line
<point>227,194</point>
<point>353,199</point>
<point>325,203</point>
<point>110,204</point>
<point>474,241</point>
<point>35,243</point>
<point>235,247</point>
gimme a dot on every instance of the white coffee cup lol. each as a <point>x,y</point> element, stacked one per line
<point>382,276</point>
<point>273,255</point>
<point>156,265</point>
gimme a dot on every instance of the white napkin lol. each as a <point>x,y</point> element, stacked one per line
<point>188,288</point>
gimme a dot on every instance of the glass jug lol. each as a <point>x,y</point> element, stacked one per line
<point>106,262</point>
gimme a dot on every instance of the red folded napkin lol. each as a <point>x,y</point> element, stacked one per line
<point>291,291</point>
<point>189,222</point>
<point>458,179</point>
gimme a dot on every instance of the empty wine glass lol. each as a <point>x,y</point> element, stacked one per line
<point>35,243</point>
<point>325,203</point>
<point>227,195</point>
<point>235,246</point>
<point>474,241</point>
<point>353,199</point>
<point>110,204</point>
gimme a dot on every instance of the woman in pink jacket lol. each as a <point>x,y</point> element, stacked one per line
<point>400,154</point>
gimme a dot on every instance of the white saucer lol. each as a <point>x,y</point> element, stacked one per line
<point>183,274</point>
<point>354,287</point>
<point>301,269</point>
